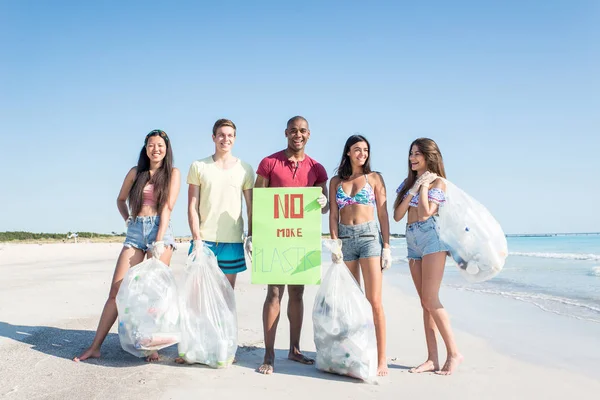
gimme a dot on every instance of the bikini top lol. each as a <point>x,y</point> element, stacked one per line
<point>435,195</point>
<point>148,198</point>
<point>364,196</point>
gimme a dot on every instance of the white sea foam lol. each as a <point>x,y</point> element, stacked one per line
<point>554,304</point>
<point>595,271</point>
<point>563,256</point>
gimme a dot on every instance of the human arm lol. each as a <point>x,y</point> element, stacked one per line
<point>402,207</point>
<point>261,182</point>
<point>429,205</point>
<point>323,196</point>
<point>124,193</point>
<point>248,198</point>
<point>382,213</point>
<point>334,215</point>
<point>193,216</point>
<point>384,222</point>
<point>167,208</point>
<point>334,211</point>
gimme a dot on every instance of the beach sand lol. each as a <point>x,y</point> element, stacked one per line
<point>51,296</point>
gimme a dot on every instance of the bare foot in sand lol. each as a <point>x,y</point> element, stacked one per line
<point>295,355</point>
<point>89,353</point>
<point>265,369</point>
<point>153,357</point>
<point>382,369</point>
<point>450,365</point>
<point>180,360</point>
<point>427,366</point>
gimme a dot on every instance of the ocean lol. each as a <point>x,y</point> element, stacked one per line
<point>544,306</point>
<point>557,274</point>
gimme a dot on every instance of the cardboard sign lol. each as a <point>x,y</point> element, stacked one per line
<point>286,236</point>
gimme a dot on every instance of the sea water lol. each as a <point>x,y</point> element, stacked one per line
<point>557,274</point>
<point>544,306</point>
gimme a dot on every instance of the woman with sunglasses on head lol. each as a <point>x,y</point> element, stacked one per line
<point>146,200</point>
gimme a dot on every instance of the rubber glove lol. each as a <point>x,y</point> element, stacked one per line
<point>248,245</point>
<point>428,179</point>
<point>196,244</point>
<point>336,252</point>
<point>158,248</point>
<point>386,258</point>
<point>322,200</point>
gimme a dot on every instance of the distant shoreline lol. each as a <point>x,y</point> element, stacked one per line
<point>41,238</point>
<point>551,234</point>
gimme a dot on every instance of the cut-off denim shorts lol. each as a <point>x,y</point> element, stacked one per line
<point>423,238</point>
<point>141,233</point>
<point>360,241</point>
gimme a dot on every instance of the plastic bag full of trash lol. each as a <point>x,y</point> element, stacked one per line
<point>208,313</point>
<point>344,332</point>
<point>148,308</point>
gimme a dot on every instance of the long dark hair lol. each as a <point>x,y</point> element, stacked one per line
<point>433,158</point>
<point>344,170</point>
<point>161,178</point>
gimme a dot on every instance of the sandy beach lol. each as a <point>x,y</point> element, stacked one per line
<point>51,296</point>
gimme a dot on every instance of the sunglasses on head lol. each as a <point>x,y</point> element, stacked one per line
<point>157,132</point>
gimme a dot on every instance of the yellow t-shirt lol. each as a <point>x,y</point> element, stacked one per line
<point>220,203</point>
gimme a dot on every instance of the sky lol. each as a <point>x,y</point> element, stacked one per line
<point>509,90</point>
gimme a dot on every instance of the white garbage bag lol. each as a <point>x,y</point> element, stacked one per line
<point>476,240</point>
<point>343,324</point>
<point>208,313</point>
<point>148,308</point>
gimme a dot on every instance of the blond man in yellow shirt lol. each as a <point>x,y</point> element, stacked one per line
<point>216,186</point>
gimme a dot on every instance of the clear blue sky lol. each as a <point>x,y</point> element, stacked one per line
<point>510,90</point>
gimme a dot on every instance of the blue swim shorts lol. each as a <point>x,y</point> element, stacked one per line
<point>423,238</point>
<point>230,256</point>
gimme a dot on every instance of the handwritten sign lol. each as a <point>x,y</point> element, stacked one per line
<point>286,236</point>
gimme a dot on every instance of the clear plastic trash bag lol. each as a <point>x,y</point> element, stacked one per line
<point>476,240</point>
<point>208,313</point>
<point>148,308</point>
<point>343,324</point>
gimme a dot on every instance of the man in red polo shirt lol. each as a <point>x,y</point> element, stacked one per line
<point>289,168</point>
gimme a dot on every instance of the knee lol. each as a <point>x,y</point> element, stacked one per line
<point>377,307</point>
<point>296,293</point>
<point>274,296</point>
<point>431,303</point>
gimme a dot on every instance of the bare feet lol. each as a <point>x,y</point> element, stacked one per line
<point>382,369</point>
<point>295,355</point>
<point>427,366</point>
<point>153,357</point>
<point>89,353</point>
<point>180,360</point>
<point>267,366</point>
<point>451,363</point>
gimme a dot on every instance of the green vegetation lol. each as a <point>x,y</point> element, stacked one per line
<point>10,236</point>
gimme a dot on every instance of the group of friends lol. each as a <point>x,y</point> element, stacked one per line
<point>355,196</point>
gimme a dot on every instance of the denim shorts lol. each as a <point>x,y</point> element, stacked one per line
<point>360,241</point>
<point>423,238</point>
<point>141,233</point>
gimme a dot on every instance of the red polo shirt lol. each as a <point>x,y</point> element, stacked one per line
<point>281,172</point>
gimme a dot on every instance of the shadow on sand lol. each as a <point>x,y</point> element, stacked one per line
<point>251,357</point>
<point>68,343</point>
